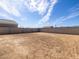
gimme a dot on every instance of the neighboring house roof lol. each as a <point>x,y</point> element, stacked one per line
<point>5,22</point>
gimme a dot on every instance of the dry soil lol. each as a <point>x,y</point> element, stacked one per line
<point>39,46</point>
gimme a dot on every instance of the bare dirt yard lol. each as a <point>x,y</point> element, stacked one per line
<point>39,46</point>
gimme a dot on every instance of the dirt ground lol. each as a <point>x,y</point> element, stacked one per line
<point>39,46</point>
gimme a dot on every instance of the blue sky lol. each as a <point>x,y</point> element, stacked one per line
<point>39,13</point>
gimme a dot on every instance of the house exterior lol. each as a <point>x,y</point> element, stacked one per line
<point>8,26</point>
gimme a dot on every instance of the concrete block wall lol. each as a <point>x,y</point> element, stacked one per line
<point>15,30</point>
<point>7,30</point>
<point>4,30</point>
<point>61,30</point>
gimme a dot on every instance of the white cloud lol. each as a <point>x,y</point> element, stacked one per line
<point>75,14</point>
<point>64,18</point>
<point>10,6</point>
<point>47,16</point>
<point>72,13</point>
<point>39,6</point>
<point>74,8</point>
<point>6,16</point>
<point>43,7</point>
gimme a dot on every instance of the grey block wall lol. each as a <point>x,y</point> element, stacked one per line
<point>15,30</point>
<point>61,30</point>
<point>8,30</point>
